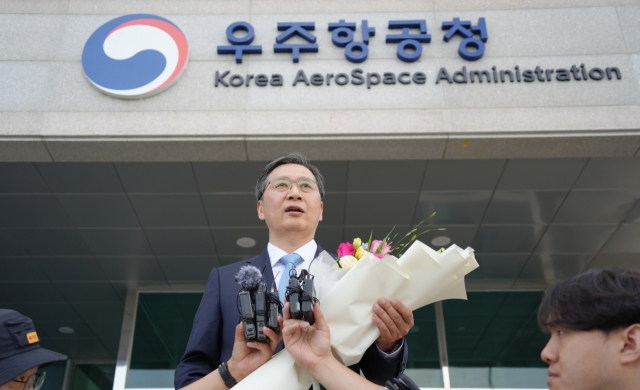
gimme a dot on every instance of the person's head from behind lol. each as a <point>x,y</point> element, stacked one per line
<point>594,322</point>
<point>290,195</point>
<point>20,353</point>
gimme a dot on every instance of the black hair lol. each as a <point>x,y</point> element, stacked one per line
<point>290,158</point>
<point>603,299</point>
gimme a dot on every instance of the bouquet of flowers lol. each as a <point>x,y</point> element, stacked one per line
<point>350,253</point>
<point>348,286</point>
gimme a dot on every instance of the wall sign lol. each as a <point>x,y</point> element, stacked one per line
<point>343,35</point>
<point>135,56</point>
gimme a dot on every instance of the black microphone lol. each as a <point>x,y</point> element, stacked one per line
<point>248,278</point>
<point>293,294</point>
<point>307,298</point>
<point>275,308</point>
<point>261,312</point>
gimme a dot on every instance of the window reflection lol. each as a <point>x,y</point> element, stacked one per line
<point>423,366</point>
<point>493,340</point>
<point>163,325</point>
<point>93,377</point>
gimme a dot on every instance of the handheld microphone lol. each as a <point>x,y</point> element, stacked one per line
<point>293,294</point>
<point>275,308</point>
<point>246,315</point>
<point>307,297</point>
<point>248,278</point>
<point>261,312</point>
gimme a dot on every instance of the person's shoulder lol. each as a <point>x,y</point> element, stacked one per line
<point>233,268</point>
<point>321,249</point>
<point>226,273</point>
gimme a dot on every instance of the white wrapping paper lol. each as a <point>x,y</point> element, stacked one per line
<point>422,276</point>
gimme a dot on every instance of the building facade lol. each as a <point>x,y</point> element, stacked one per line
<point>132,133</point>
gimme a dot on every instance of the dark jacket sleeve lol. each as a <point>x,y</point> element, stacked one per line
<point>202,355</point>
<point>379,369</point>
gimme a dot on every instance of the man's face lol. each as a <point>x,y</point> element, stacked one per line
<point>13,385</point>
<point>292,210</point>
<point>585,360</point>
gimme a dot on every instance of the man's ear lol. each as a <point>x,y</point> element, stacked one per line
<point>631,350</point>
<point>260,211</point>
<point>321,209</point>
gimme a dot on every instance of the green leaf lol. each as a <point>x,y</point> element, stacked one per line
<point>395,247</point>
<point>411,236</point>
<point>384,241</point>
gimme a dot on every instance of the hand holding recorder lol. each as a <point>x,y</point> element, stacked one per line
<point>247,356</point>
<point>310,347</point>
<point>301,296</point>
<point>257,307</point>
<point>258,333</point>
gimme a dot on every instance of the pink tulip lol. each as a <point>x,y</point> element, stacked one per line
<point>345,249</point>
<point>374,249</point>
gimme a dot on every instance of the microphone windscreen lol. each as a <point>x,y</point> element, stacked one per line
<point>248,277</point>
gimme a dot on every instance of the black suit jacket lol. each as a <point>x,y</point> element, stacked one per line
<point>212,337</point>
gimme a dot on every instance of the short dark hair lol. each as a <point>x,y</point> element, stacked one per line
<point>290,158</point>
<point>603,299</point>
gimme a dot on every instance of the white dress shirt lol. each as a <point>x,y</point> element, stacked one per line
<point>308,253</point>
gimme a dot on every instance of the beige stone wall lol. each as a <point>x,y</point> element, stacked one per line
<point>50,112</point>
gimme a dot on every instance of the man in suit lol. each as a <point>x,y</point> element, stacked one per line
<point>289,196</point>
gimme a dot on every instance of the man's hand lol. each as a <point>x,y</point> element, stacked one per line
<point>308,346</point>
<point>393,320</point>
<point>247,357</point>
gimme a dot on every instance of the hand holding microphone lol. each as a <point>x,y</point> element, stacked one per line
<point>257,307</point>
<point>301,296</point>
<point>248,278</point>
<point>247,356</point>
<point>310,347</point>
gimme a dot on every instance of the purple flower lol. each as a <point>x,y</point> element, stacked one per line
<point>382,252</point>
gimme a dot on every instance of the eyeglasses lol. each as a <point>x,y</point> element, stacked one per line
<point>284,184</point>
<point>34,381</point>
